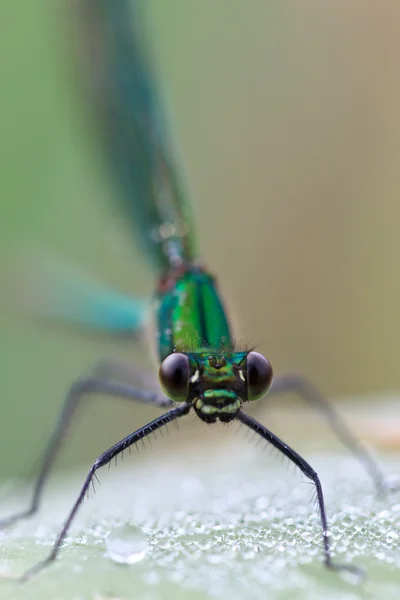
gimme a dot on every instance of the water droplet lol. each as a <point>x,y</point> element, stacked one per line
<point>391,536</point>
<point>126,544</point>
<point>384,515</point>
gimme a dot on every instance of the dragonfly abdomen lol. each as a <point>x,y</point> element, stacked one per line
<point>135,131</point>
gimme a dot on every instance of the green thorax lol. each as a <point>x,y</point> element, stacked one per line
<point>190,316</point>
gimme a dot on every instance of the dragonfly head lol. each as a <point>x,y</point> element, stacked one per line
<point>216,383</point>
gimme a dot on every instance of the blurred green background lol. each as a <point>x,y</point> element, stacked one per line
<point>287,118</point>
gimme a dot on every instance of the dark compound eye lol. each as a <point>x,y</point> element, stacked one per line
<point>259,376</point>
<point>174,376</point>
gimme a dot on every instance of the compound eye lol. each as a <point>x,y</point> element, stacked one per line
<point>259,376</point>
<point>174,374</point>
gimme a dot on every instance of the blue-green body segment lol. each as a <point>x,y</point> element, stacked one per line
<point>135,132</point>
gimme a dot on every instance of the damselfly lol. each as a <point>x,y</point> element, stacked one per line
<point>200,369</point>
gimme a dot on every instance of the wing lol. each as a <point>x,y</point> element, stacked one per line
<point>53,290</point>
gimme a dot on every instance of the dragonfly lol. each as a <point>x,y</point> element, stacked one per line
<point>200,367</point>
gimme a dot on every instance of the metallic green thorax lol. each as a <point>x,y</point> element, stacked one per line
<point>191,319</point>
<point>190,315</point>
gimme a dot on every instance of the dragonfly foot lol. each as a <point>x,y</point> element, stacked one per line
<point>350,573</point>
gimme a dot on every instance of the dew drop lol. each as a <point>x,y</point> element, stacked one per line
<point>126,544</point>
<point>391,536</point>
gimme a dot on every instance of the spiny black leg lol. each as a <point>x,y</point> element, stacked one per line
<point>78,390</point>
<point>308,472</point>
<point>297,384</point>
<point>103,460</point>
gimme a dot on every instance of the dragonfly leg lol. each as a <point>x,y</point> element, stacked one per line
<point>297,384</point>
<point>103,460</point>
<point>123,372</point>
<point>80,389</point>
<point>309,472</point>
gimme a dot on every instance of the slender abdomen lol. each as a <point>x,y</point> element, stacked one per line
<point>135,131</point>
